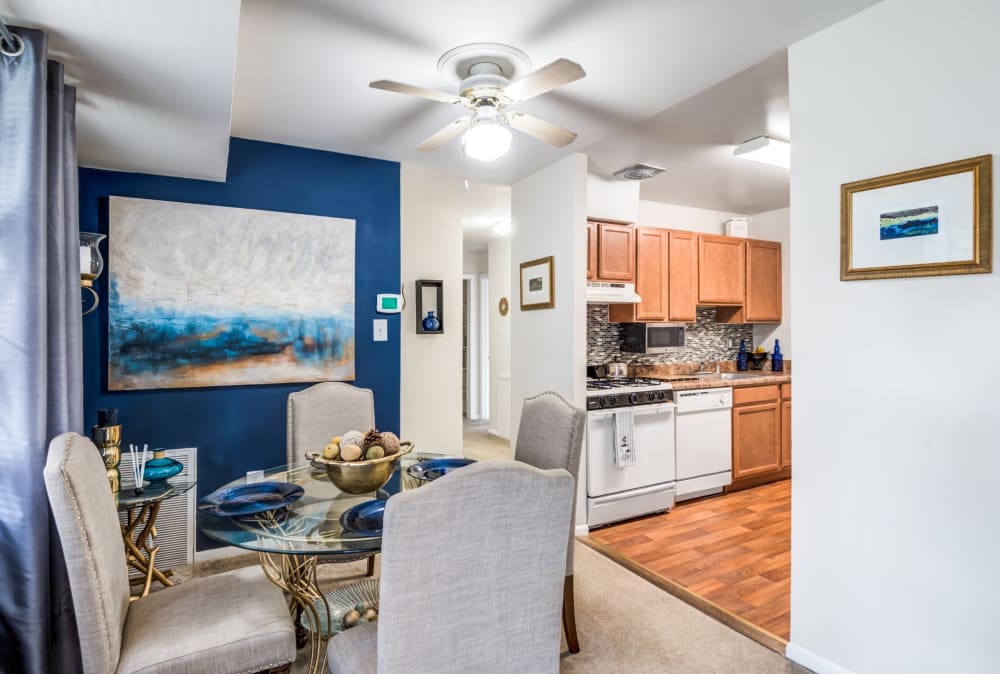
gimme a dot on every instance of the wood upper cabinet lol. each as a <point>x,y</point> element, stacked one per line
<point>651,279</point>
<point>721,270</point>
<point>591,250</point>
<point>615,252</point>
<point>682,272</point>
<point>763,282</point>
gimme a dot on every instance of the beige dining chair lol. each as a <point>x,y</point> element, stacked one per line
<point>317,414</point>
<point>550,435</point>
<point>232,622</point>
<point>472,566</point>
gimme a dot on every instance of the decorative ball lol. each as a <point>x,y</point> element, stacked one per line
<point>352,438</point>
<point>390,442</point>
<point>350,452</point>
<point>375,452</point>
<point>370,614</point>
<point>331,451</point>
<point>335,440</point>
<point>351,618</point>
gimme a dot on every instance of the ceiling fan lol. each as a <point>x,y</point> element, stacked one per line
<point>488,83</point>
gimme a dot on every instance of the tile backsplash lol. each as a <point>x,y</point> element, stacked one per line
<point>705,340</point>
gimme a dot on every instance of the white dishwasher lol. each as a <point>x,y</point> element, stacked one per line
<point>704,441</point>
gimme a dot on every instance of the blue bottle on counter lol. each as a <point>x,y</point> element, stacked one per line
<point>777,360</point>
<point>742,362</point>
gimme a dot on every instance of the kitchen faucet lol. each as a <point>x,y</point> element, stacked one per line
<point>702,369</point>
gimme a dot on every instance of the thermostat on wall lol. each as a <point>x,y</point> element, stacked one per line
<point>388,304</point>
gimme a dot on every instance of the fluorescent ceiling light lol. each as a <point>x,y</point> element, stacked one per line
<point>502,227</point>
<point>487,139</point>
<point>765,150</point>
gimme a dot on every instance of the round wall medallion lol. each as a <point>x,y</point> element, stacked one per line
<point>504,306</point>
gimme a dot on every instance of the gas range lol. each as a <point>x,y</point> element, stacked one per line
<point>627,392</point>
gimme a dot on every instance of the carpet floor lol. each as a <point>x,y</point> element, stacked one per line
<point>625,624</point>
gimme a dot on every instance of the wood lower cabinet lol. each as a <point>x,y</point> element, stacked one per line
<point>651,280</point>
<point>591,250</point>
<point>682,271</point>
<point>615,252</point>
<point>721,270</point>
<point>786,425</point>
<point>763,282</point>
<point>761,436</point>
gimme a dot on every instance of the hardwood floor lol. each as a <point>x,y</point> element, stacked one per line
<point>733,550</point>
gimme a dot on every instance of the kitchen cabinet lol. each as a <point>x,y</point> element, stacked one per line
<point>615,252</point>
<point>721,270</point>
<point>763,282</point>
<point>591,250</point>
<point>651,279</point>
<point>761,450</point>
<point>682,284</point>
<point>786,426</point>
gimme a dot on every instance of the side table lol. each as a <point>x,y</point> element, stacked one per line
<point>139,530</point>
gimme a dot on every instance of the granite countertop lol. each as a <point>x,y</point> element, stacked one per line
<point>755,378</point>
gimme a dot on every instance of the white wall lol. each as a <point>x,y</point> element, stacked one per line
<point>894,515</point>
<point>474,261</point>
<point>548,347</point>
<point>499,275</point>
<point>775,226</point>
<point>657,214</point>
<point>612,199</point>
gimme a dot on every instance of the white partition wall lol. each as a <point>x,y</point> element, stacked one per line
<point>894,513</point>
<point>548,347</point>
<point>499,287</point>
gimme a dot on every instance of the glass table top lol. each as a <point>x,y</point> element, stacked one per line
<point>310,525</point>
<point>151,493</point>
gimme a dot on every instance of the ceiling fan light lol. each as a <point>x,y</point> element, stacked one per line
<point>486,142</point>
<point>765,150</point>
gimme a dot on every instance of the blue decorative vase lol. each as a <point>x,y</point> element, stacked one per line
<point>742,358</point>
<point>160,468</point>
<point>431,323</point>
<point>777,359</point>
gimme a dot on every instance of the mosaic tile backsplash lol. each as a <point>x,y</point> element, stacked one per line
<point>705,340</point>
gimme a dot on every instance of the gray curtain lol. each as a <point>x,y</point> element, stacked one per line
<point>41,362</point>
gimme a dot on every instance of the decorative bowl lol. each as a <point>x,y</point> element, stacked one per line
<point>359,477</point>
<point>757,359</point>
<point>250,499</point>
<point>424,472</point>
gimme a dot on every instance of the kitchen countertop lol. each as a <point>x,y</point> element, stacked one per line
<point>756,378</point>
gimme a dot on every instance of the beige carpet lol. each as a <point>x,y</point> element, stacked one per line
<point>478,444</point>
<point>625,624</point>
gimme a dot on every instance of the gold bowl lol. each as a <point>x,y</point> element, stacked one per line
<point>359,477</point>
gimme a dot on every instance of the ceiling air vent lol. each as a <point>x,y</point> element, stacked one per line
<point>639,172</point>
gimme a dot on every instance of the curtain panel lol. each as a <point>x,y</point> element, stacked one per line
<point>41,393</point>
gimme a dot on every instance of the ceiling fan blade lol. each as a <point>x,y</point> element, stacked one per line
<point>400,88</point>
<point>446,134</point>
<point>540,129</point>
<point>546,78</point>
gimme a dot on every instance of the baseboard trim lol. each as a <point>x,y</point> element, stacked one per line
<point>581,530</point>
<point>216,554</point>
<point>709,608</point>
<point>810,660</point>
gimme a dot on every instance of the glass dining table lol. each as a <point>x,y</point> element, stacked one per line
<point>290,542</point>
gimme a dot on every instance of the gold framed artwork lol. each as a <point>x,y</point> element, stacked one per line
<point>538,284</point>
<point>932,221</point>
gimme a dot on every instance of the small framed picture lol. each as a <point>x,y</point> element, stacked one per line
<point>931,221</point>
<point>538,284</point>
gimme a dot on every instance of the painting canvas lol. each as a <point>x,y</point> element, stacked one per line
<point>214,296</point>
<point>911,222</point>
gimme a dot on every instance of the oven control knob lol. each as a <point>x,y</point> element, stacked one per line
<point>661,395</point>
<point>651,396</point>
<point>609,401</point>
<point>633,398</point>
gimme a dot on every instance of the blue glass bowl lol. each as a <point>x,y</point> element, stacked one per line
<point>428,470</point>
<point>364,518</point>
<point>250,499</point>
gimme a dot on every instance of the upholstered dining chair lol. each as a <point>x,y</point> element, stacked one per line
<point>471,571</point>
<point>550,435</point>
<point>321,412</point>
<point>324,410</point>
<point>233,622</point>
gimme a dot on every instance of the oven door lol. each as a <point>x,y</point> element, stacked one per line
<point>654,450</point>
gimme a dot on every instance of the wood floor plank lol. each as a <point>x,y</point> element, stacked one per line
<point>733,550</point>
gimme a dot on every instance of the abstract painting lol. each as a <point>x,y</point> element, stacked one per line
<point>215,296</point>
<point>931,221</point>
<point>911,222</point>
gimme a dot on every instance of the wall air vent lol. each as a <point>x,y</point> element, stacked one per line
<point>639,172</point>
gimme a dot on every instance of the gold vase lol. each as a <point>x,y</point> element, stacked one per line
<point>109,440</point>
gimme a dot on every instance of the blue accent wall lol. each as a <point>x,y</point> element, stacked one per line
<point>242,428</point>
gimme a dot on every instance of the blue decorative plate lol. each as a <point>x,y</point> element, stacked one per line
<point>432,469</point>
<point>364,518</point>
<point>250,499</point>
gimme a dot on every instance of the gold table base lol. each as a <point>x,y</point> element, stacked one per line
<point>296,576</point>
<point>141,549</point>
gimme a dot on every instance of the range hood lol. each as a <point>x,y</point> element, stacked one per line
<point>611,292</point>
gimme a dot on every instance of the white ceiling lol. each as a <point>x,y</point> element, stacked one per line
<point>160,80</point>
<point>694,140</point>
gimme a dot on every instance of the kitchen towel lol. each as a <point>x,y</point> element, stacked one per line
<point>623,428</point>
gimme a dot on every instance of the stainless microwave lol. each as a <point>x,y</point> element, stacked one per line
<point>651,337</point>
